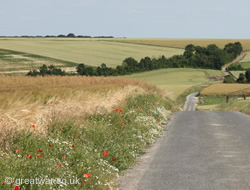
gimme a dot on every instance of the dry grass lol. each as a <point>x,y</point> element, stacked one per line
<point>223,89</point>
<point>25,101</point>
<point>181,43</point>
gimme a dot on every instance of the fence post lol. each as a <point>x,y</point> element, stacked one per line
<point>244,96</point>
<point>227,98</point>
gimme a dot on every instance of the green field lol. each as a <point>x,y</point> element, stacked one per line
<point>88,51</point>
<point>176,81</point>
<point>245,63</point>
<point>237,73</point>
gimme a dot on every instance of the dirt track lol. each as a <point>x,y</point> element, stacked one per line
<point>239,58</point>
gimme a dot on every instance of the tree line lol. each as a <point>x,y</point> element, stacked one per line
<point>70,35</point>
<point>210,57</point>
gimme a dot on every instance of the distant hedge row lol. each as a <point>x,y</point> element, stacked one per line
<point>210,57</point>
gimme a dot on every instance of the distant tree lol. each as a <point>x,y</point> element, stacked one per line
<point>247,74</point>
<point>71,35</point>
<point>229,79</point>
<point>242,78</point>
<point>189,51</point>
<point>61,36</point>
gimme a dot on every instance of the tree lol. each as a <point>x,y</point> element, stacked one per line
<point>241,79</point>
<point>71,35</point>
<point>247,74</point>
<point>189,50</point>
<point>81,69</point>
<point>229,79</point>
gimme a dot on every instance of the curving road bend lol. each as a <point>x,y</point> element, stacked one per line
<point>202,150</point>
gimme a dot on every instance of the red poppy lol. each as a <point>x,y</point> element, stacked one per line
<point>159,120</point>
<point>4,183</point>
<point>64,157</point>
<point>119,111</point>
<point>50,145</point>
<point>33,126</point>
<point>84,182</point>
<point>114,159</point>
<point>105,154</point>
<point>17,151</point>
<point>23,166</point>
<point>17,188</point>
<point>140,107</point>
<point>73,145</point>
<point>153,104</point>
<point>76,135</point>
<point>39,155</point>
<point>60,164</point>
<point>29,156</point>
<point>40,150</point>
<point>87,175</point>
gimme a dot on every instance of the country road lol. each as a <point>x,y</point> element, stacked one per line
<point>200,150</point>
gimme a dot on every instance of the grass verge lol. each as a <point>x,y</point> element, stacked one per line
<point>89,149</point>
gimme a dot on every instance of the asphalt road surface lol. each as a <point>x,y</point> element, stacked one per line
<point>203,150</point>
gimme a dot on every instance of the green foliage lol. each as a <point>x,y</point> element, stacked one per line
<point>235,67</point>
<point>44,70</point>
<point>242,78</point>
<point>229,79</point>
<point>211,57</point>
<point>100,145</point>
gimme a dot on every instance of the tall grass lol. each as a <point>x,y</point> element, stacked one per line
<point>89,128</point>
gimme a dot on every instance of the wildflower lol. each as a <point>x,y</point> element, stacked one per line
<point>87,175</point>
<point>33,126</point>
<point>39,155</point>
<point>159,120</point>
<point>84,182</point>
<point>29,156</point>
<point>60,164</point>
<point>4,183</point>
<point>17,151</point>
<point>50,145</point>
<point>23,166</point>
<point>17,188</point>
<point>76,135</point>
<point>40,150</point>
<point>73,145</point>
<point>153,104</point>
<point>140,107</point>
<point>114,159</point>
<point>64,157</point>
<point>105,154</point>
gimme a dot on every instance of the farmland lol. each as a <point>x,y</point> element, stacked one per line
<point>176,81</point>
<point>224,89</point>
<point>245,63</point>
<point>181,43</point>
<point>91,52</point>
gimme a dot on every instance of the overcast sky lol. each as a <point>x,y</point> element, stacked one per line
<point>127,18</point>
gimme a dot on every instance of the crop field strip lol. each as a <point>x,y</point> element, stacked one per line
<point>92,52</point>
<point>226,89</point>
<point>176,81</point>
<point>181,43</point>
<point>14,61</point>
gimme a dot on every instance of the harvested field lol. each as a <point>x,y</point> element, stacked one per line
<point>224,89</point>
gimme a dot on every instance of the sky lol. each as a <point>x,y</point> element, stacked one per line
<point>130,18</point>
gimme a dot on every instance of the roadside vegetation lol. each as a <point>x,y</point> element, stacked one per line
<point>85,128</point>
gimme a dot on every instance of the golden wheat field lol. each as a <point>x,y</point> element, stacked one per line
<point>226,89</point>
<point>181,43</point>
<point>25,101</point>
